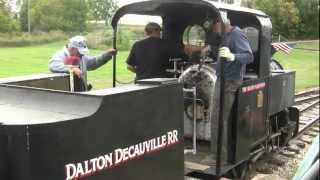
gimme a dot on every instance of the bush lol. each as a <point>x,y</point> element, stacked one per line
<point>123,40</point>
<point>284,14</point>
<point>51,15</point>
<point>104,39</point>
<point>309,14</point>
<point>100,39</point>
<point>25,39</point>
<point>136,32</point>
<point>7,24</point>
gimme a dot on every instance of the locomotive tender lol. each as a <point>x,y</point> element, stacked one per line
<point>47,132</point>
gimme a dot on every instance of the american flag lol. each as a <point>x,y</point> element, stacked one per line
<point>284,47</point>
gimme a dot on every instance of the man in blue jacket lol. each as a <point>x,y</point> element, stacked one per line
<point>237,54</point>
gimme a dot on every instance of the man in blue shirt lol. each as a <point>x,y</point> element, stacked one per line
<point>237,54</point>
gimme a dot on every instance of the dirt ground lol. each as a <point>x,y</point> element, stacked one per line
<point>279,165</point>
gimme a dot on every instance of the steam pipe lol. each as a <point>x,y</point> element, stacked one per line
<point>195,120</point>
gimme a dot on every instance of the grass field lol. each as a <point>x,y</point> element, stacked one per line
<point>34,59</point>
<point>304,62</point>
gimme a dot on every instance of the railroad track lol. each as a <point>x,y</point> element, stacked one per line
<point>308,104</point>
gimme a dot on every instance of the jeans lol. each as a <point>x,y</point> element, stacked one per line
<point>231,87</point>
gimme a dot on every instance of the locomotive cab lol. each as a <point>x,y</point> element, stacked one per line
<point>187,24</point>
<point>167,131</point>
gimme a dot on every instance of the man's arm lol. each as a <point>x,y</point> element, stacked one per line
<point>243,52</point>
<point>56,63</point>
<point>94,63</point>
<point>131,68</point>
<point>131,61</point>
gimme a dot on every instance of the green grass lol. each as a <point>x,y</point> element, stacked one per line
<point>24,39</point>
<point>34,59</point>
<point>309,45</point>
<point>305,63</point>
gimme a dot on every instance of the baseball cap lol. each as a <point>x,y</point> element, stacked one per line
<point>80,43</point>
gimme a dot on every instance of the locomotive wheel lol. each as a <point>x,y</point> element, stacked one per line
<point>275,65</point>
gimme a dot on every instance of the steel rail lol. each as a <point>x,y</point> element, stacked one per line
<point>305,109</point>
<point>306,99</point>
<point>307,92</point>
<point>304,126</point>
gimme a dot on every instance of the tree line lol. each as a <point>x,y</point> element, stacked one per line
<point>7,21</point>
<point>295,19</point>
<point>50,15</point>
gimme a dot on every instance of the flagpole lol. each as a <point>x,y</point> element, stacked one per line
<point>29,23</point>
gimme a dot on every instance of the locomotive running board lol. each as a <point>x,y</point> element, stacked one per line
<point>196,168</point>
<point>191,166</point>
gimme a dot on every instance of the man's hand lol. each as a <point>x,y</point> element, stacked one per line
<point>206,51</point>
<point>113,52</point>
<point>131,68</point>
<point>225,52</point>
<point>77,71</point>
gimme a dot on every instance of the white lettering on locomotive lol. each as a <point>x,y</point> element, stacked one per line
<point>120,156</point>
<point>254,87</point>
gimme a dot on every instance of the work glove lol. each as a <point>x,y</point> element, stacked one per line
<point>225,52</point>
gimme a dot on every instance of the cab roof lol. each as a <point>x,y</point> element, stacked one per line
<point>159,8</point>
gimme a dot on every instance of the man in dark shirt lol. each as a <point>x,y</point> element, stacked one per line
<point>149,58</point>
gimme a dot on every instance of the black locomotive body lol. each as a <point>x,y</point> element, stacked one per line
<point>108,134</point>
<point>263,113</point>
<point>49,133</point>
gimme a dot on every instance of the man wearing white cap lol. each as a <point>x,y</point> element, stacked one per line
<point>77,50</point>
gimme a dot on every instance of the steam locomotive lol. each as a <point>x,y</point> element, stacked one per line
<point>46,132</point>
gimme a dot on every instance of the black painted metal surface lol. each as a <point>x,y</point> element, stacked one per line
<point>3,151</point>
<point>159,7</point>
<point>70,147</point>
<point>252,109</point>
<point>282,85</point>
<point>265,48</point>
<point>45,81</point>
<point>46,134</point>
